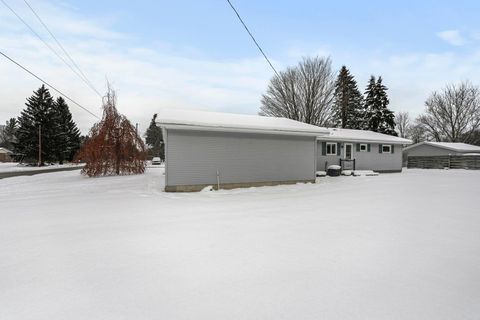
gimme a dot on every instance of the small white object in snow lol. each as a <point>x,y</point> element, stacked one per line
<point>334,167</point>
<point>346,172</point>
<point>321,173</point>
<point>358,173</point>
<point>207,188</point>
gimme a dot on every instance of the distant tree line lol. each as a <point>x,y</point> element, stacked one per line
<point>8,134</point>
<point>47,121</point>
<point>310,92</point>
<point>451,114</point>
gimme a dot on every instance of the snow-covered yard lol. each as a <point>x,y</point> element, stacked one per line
<point>396,246</point>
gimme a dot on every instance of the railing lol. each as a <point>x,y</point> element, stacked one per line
<point>342,161</point>
<point>441,162</point>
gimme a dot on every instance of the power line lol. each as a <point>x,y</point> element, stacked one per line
<point>61,47</point>
<point>51,86</point>
<point>253,38</point>
<point>50,47</point>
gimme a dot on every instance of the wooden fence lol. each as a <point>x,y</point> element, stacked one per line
<point>441,162</point>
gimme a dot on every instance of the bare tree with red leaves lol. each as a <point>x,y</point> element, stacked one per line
<point>114,146</point>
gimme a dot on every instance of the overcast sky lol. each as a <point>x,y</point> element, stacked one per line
<point>196,55</point>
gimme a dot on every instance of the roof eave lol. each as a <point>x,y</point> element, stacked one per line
<point>362,140</point>
<point>240,130</point>
<point>440,146</point>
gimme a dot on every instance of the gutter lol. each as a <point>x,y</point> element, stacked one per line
<point>441,147</point>
<point>241,130</point>
<point>329,138</point>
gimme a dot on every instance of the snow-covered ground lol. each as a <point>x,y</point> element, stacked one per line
<point>14,167</point>
<point>396,246</point>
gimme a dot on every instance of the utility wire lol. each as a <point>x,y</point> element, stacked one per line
<point>251,36</point>
<point>51,86</point>
<point>61,47</point>
<point>50,47</point>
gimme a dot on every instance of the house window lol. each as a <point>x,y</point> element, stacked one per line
<point>386,148</point>
<point>331,148</point>
<point>363,147</point>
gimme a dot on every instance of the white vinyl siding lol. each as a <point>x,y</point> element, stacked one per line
<point>193,157</point>
<point>369,160</point>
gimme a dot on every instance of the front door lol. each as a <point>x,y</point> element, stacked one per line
<point>348,151</point>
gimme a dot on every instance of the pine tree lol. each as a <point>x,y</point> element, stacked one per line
<point>8,135</point>
<point>38,114</point>
<point>387,125</point>
<point>378,117</point>
<point>67,134</point>
<point>154,139</point>
<point>348,102</point>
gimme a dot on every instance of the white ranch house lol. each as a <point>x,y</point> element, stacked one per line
<point>230,150</point>
<point>367,150</point>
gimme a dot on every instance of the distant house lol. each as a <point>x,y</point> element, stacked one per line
<point>230,150</point>
<point>5,155</point>
<point>428,148</point>
<point>366,150</point>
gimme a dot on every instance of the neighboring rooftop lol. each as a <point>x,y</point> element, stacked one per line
<point>5,150</point>
<point>453,146</point>
<point>216,121</point>
<point>354,135</point>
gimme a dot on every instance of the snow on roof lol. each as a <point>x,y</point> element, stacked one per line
<point>353,135</point>
<point>453,146</point>
<point>5,150</point>
<point>216,121</point>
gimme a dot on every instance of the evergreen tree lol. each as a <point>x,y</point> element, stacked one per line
<point>154,139</point>
<point>39,113</point>
<point>378,117</point>
<point>67,135</point>
<point>8,134</point>
<point>348,102</point>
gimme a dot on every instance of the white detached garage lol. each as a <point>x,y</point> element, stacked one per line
<point>232,150</point>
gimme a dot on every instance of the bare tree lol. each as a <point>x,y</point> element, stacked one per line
<point>453,114</point>
<point>303,93</point>
<point>114,146</point>
<point>403,124</point>
<point>418,132</point>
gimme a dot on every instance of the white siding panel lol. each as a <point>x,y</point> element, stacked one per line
<point>193,157</point>
<point>364,160</point>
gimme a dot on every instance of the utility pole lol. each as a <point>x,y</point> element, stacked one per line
<point>39,145</point>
